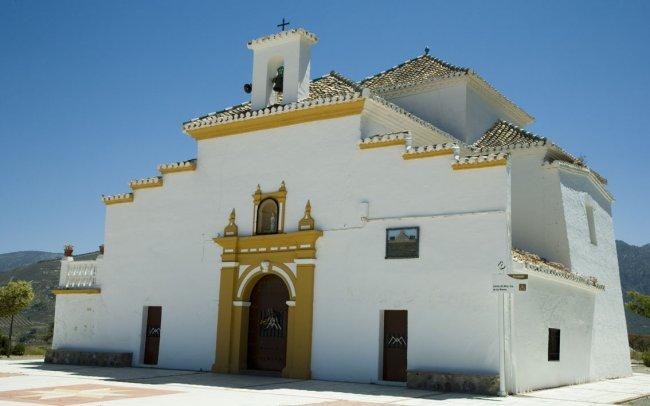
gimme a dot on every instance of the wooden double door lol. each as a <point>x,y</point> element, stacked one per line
<point>267,325</point>
<point>395,345</point>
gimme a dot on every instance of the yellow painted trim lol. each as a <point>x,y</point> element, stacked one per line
<point>476,165</point>
<point>390,143</point>
<point>146,185</point>
<point>190,167</point>
<point>88,291</point>
<point>280,197</point>
<point>427,154</point>
<point>279,120</point>
<point>232,323</point>
<point>127,199</point>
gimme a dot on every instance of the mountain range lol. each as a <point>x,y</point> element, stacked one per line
<point>13,260</point>
<point>42,268</point>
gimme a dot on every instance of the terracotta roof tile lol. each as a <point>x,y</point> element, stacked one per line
<point>535,262</point>
<point>525,256</point>
<point>414,70</point>
<point>330,85</point>
<point>503,133</point>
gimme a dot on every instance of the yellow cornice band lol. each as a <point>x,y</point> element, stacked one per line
<point>126,199</point>
<point>89,291</point>
<point>188,167</point>
<point>279,120</point>
<point>147,185</point>
<point>484,164</point>
<point>427,154</point>
<point>369,145</point>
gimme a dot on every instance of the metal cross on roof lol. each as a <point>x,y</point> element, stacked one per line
<point>284,23</point>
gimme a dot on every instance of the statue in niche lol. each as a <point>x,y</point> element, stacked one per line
<point>267,217</point>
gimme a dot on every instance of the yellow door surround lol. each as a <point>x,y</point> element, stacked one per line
<point>245,260</point>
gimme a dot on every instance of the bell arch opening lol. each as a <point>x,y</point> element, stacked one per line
<point>275,79</point>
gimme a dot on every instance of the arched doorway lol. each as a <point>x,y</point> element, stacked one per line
<point>267,325</point>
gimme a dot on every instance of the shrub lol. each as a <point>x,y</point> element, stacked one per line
<point>35,350</point>
<point>646,358</point>
<point>4,344</point>
<point>639,342</point>
<point>19,349</point>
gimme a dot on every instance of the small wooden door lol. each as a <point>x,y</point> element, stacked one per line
<point>395,344</point>
<point>152,335</point>
<point>267,325</point>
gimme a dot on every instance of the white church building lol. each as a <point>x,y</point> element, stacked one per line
<point>405,227</point>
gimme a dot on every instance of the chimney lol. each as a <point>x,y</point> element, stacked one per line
<point>67,250</point>
<point>286,54</point>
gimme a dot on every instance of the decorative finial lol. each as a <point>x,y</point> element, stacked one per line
<point>283,187</point>
<point>283,24</point>
<point>306,222</point>
<point>231,229</point>
<point>426,50</point>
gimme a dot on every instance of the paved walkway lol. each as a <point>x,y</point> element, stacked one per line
<point>24,382</point>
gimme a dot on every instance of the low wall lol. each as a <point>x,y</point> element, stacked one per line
<point>95,358</point>
<point>444,382</point>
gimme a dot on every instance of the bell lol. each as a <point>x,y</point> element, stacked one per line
<point>278,80</point>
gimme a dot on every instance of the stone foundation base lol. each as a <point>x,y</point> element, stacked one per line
<point>95,358</point>
<point>464,383</point>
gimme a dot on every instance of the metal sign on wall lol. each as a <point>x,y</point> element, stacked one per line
<point>509,283</point>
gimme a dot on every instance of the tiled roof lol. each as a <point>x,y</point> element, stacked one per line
<point>525,256</point>
<point>414,70</point>
<point>503,133</point>
<point>330,85</point>
<point>536,263</point>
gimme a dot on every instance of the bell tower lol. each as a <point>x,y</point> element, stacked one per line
<point>282,62</point>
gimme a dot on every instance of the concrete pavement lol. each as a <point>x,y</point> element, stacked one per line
<point>24,382</point>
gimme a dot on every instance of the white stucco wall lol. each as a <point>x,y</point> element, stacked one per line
<point>538,223</point>
<point>456,107</point>
<point>75,322</point>
<point>610,349</point>
<point>550,304</point>
<point>159,251</point>
<point>445,107</point>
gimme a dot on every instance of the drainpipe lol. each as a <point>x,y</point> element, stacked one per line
<point>502,347</point>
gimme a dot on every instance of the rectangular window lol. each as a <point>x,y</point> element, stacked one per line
<point>402,242</point>
<point>553,344</point>
<point>591,224</point>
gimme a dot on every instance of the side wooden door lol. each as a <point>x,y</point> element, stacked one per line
<point>152,335</point>
<point>395,345</point>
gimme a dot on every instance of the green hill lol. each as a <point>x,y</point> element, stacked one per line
<point>34,323</point>
<point>634,264</point>
<point>13,260</point>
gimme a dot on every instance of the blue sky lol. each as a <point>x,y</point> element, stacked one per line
<point>92,94</point>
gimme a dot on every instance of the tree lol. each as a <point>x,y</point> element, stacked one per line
<point>14,298</point>
<point>640,304</point>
